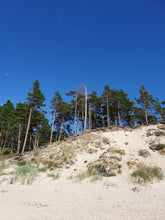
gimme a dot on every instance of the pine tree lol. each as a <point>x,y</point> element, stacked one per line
<point>21,114</point>
<point>106,96</point>
<point>146,101</point>
<point>35,100</point>
<point>74,94</point>
<point>55,103</point>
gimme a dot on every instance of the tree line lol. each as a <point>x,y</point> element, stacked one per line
<point>25,127</point>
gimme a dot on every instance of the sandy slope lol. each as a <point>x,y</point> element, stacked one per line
<point>110,198</point>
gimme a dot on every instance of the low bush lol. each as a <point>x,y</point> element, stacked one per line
<point>159,133</point>
<point>159,147</point>
<point>5,151</point>
<point>147,173</point>
<point>144,153</point>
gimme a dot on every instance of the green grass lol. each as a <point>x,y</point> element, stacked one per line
<point>24,174</point>
<point>146,174</point>
<point>159,147</point>
<point>159,133</point>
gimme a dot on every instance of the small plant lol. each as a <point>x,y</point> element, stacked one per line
<point>159,147</point>
<point>144,153</point>
<point>54,176</point>
<point>146,174</point>
<point>105,140</point>
<point>21,163</point>
<point>159,133</point>
<point>43,169</point>
<point>26,174</point>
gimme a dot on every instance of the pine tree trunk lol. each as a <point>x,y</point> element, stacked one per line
<point>95,118</point>
<point>102,117</point>
<point>85,124</point>
<point>19,139</point>
<point>90,124</point>
<point>61,129</point>
<point>27,130</point>
<point>77,122</point>
<point>38,139</point>
<point>119,115</point>
<point>30,142</point>
<point>75,114</point>
<point>108,118</point>
<point>4,144</point>
<point>160,117</point>
<point>54,113</point>
<point>82,120</point>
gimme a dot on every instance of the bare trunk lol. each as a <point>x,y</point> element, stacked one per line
<point>54,113</point>
<point>119,115</point>
<point>90,124</point>
<point>108,118</point>
<point>95,118</point>
<point>4,144</point>
<point>60,130</point>
<point>38,139</point>
<point>30,143</point>
<point>27,130</point>
<point>19,139</point>
<point>102,117</point>
<point>82,120</point>
<point>85,124</point>
<point>160,117</point>
<point>77,122</point>
<point>75,113</point>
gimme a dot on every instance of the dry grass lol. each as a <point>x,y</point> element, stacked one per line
<point>147,173</point>
<point>114,150</point>
<point>144,153</point>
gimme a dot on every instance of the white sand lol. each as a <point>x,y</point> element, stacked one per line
<point>110,198</point>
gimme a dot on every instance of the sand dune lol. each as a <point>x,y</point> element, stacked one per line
<point>114,197</point>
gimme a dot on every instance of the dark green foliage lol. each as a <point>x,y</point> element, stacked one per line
<point>159,147</point>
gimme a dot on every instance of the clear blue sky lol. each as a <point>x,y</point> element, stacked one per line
<point>65,43</point>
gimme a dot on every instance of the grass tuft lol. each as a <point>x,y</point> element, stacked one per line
<point>25,174</point>
<point>147,173</point>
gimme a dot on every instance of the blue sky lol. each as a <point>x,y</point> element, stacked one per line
<point>65,43</point>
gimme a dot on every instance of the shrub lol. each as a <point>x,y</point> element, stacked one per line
<point>159,147</point>
<point>5,151</point>
<point>159,133</point>
<point>144,153</point>
<point>146,173</point>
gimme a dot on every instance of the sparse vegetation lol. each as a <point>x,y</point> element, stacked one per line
<point>53,175</point>
<point>159,133</point>
<point>105,140</point>
<point>24,174</point>
<point>147,173</point>
<point>114,150</point>
<point>144,153</point>
<point>160,147</point>
<point>3,166</point>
